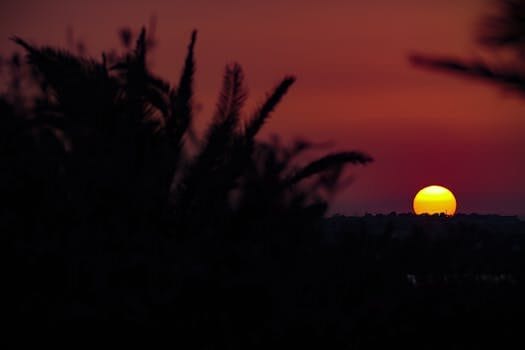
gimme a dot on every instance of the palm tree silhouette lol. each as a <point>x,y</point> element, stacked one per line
<point>108,196</point>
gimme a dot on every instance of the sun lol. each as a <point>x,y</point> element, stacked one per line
<point>435,200</point>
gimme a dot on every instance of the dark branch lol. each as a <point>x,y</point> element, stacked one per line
<point>508,78</point>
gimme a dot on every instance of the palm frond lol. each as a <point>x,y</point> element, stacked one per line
<point>75,81</point>
<point>221,133</point>
<point>182,99</point>
<point>141,47</point>
<point>509,78</point>
<point>230,103</point>
<point>264,111</point>
<point>504,26</point>
<point>221,160</point>
<point>78,90</point>
<point>328,162</point>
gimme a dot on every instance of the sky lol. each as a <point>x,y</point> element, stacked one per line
<point>355,88</point>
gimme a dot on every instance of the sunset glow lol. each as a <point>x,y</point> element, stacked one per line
<point>356,87</point>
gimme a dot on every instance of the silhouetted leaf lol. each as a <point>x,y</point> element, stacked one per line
<point>330,161</point>
<point>264,111</point>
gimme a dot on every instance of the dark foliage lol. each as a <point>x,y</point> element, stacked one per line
<point>109,219</point>
<point>504,76</point>
<point>502,31</point>
<point>109,222</point>
<point>504,28</point>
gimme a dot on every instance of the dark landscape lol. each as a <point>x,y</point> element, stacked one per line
<point>120,213</point>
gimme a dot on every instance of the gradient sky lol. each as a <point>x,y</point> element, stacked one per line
<point>355,86</point>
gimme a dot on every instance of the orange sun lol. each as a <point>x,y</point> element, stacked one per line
<point>435,200</point>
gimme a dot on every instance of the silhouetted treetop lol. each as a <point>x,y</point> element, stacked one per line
<point>123,130</point>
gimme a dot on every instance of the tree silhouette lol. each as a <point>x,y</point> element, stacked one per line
<point>110,219</point>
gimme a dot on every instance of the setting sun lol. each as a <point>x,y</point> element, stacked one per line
<point>435,200</point>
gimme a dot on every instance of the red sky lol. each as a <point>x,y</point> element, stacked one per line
<point>355,86</point>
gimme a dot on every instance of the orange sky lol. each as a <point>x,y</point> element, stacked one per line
<point>355,86</point>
